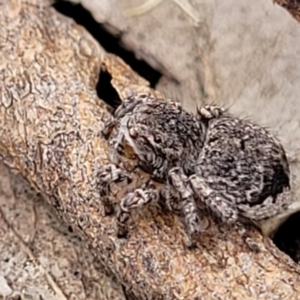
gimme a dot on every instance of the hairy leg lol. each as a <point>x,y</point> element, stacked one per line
<point>180,182</point>
<point>210,111</point>
<point>170,200</point>
<point>136,200</point>
<point>106,176</point>
<point>213,200</point>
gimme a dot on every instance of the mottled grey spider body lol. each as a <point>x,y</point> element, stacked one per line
<point>233,167</point>
<point>242,171</point>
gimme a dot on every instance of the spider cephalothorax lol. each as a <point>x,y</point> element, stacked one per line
<point>159,133</point>
<point>232,166</point>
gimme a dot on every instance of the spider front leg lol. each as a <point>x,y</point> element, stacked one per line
<point>180,182</point>
<point>147,194</point>
<point>106,176</point>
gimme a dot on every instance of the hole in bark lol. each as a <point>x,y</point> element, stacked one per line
<point>111,44</point>
<point>287,238</point>
<point>108,94</point>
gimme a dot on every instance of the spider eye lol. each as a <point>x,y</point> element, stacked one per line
<point>133,133</point>
<point>157,139</point>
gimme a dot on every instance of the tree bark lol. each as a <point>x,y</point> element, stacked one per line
<point>50,123</point>
<point>41,257</point>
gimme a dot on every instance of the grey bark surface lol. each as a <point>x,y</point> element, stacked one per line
<point>39,256</point>
<point>50,123</point>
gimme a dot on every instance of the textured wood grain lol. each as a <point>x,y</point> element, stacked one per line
<point>41,257</point>
<point>50,122</point>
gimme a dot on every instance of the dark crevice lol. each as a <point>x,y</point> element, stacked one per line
<point>110,43</point>
<point>106,91</point>
<point>287,238</point>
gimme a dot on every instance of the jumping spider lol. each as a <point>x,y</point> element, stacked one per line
<point>235,168</point>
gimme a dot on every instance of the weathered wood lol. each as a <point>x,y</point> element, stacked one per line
<point>50,123</point>
<point>40,257</point>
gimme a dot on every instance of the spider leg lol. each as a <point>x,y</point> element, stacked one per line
<point>106,176</point>
<point>111,173</point>
<point>180,182</point>
<point>170,200</point>
<point>108,127</point>
<point>210,111</point>
<point>148,193</point>
<point>214,200</point>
